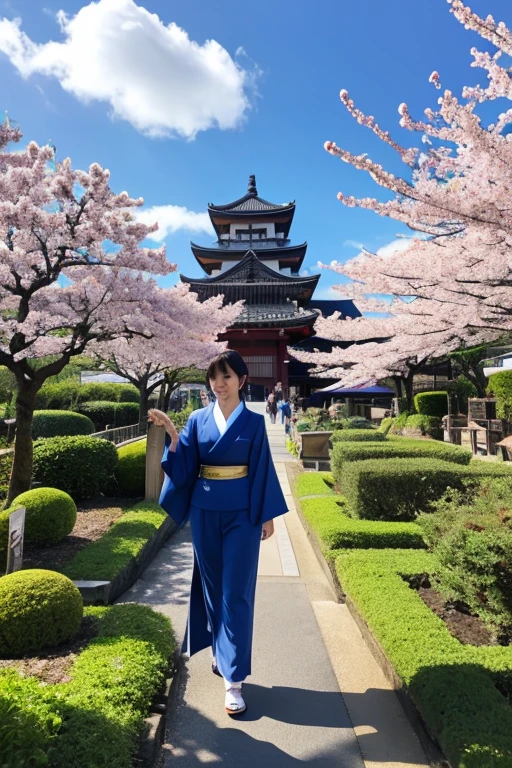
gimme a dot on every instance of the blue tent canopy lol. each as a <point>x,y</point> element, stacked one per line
<point>362,390</point>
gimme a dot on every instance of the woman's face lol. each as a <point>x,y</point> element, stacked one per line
<point>225,386</point>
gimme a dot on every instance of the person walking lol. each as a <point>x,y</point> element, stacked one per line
<point>219,475</point>
<point>286,415</point>
<point>272,407</point>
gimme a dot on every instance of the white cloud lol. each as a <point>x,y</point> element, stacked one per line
<point>151,74</point>
<point>353,244</point>
<point>328,292</point>
<point>400,245</point>
<point>171,218</point>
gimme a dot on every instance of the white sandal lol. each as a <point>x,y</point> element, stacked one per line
<point>234,702</point>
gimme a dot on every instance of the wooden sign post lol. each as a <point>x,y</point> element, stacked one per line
<point>154,451</point>
<point>16,535</point>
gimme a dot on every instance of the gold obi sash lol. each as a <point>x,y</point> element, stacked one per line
<point>223,473</point>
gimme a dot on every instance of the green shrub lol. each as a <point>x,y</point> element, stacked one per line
<point>28,722</point>
<point>50,514</point>
<point>403,448</point>
<point>38,609</point>
<point>432,403</point>
<point>471,536</point>
<point>99,391</point>
<point>500,385</point>
<point>131,468</point>
<point>5,473</point>
<point>399,422</point>
<point>357,436</point>
<point>429,425</point>
<point>357,422</point>
<point>386,425</point>
<point>106,557</point>
<point>128,393</point>
<point>7,384</point>
<point>336,530</point>
<point>453,685</point>
<point>180,418</point>
<point>61,395</point>
<point>103,412</point>
<point>314,484</point>
<point>95,718</point>
<point>53,423</point>
<point>397,489</point>
<point>464,389</point>
<point>81,466</point>
<point>292,447</point>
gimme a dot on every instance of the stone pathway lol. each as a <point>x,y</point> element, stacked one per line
<point>316,694</point>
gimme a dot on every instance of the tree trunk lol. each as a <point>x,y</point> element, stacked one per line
<point>408,383</point>
<point>475,374</point>
<point>398,384</point>
<point>142,386</point>
<point>21,475</point>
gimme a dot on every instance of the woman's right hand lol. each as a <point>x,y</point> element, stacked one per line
<point>161,419</point>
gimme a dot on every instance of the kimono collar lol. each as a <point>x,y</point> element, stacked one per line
<point>220,421</point>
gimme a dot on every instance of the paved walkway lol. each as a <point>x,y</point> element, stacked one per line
<point>316,694</point>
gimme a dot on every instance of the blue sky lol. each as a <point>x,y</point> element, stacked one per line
<point>181,125</point>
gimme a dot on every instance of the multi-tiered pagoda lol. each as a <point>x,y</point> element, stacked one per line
<point>253,259</point>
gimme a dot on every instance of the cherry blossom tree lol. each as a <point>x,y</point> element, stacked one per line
<point>452,287</point>
<point>72,271</point>
<point>187,339</point>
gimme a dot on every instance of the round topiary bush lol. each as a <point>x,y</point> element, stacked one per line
<point>53,423</point>
<point>38,609</point>
<point>131,468</point>
<point>50,515</point>
<point>81,466</point>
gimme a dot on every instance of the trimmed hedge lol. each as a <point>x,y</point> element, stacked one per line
<point>336,530</point>
<point>97,717</point>
<point>58,394</point>
<point>432,403</point>
<point>403,448</point>
<point>38,609</point>
<point>81,466</point>
<point>69,393</point>
<point>314,483</point>
<point>397,489</point>
<point>358,436</point>
<point>453,685</point>
<point>54,423</point>
<point>103,412</point>
<point>105,558</point>
<point>131,468</point>
<point>50,514</point>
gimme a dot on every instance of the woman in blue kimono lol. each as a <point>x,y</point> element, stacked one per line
<point>219,475</point>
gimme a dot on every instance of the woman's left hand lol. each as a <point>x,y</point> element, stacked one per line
<point>267,530</point>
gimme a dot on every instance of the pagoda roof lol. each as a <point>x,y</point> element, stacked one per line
<point>252,280</point>
<point>275,316</point>
<point>211,258</point>
<point>327,307</point>
<point>251,206</point>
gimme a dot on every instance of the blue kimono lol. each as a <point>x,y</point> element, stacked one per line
<point>226,518</point>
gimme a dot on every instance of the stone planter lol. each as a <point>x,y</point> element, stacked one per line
<point>314,452</point>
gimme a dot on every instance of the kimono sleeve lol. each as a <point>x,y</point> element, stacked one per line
<point>266,497</point>
<point>181,469</point>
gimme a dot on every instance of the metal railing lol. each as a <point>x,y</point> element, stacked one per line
<point>122,434</point>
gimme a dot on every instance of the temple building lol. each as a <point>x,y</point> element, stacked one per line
<point>253,259</point>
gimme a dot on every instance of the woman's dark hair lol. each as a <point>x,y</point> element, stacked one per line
<point>235,361</point>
